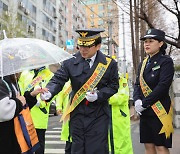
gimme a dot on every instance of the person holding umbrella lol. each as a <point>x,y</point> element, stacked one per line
<point>29,80</point>
<point>151,94</point>
<point>11,104</point>
<point>94,79</point>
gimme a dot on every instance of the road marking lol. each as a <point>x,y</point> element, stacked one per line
<point>52,136</point>
<point>53,132</point>
<point>58,128</point>
<point>55,142</point>
<point>50,151</point>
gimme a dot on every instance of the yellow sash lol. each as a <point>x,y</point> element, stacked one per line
<point>165,119</point>
<point>25,131</point>
<point>37,80</point>
<point>89,85</point>
<point>67,91</point>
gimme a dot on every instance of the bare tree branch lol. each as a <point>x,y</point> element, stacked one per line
<point>176,44</point>
<point>176,4</point>
<point>144,17</point>
<point>165,6</point>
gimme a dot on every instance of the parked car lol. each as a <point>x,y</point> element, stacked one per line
<point>52,109</point>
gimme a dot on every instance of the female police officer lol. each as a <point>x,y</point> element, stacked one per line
<point>151,96</point>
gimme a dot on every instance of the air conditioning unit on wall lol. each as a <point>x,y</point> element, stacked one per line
<point>31,29</point>
<point>26,11</point>
<point>21,4</point>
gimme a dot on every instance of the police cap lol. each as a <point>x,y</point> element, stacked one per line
<point>88,37</point>
<point>154,34</point>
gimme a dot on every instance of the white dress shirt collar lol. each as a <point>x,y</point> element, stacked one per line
<point>92,60</point>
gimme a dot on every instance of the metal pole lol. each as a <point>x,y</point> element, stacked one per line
<point>124,49</point>
<point>110,37</point>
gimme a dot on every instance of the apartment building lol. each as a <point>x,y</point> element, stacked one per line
<point>51,20</point>
<point>104,14</point>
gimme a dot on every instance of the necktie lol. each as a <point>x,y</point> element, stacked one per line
<point>148,63</point>
<point>86,66</point>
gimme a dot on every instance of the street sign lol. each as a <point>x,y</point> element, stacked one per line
<point>70,44</point>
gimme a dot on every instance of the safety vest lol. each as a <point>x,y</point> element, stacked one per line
<point>62,101</point>
<point>40,114</point>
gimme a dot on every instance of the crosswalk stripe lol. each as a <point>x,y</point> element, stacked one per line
<point>53,132</point>
<point>53,151</point>
<point>52,136</point>
<point>55,142</point>
<point>59,128</point>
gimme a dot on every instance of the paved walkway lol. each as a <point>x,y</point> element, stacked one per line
<point>139,148</point>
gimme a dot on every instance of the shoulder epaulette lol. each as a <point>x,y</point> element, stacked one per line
<point>109,56</point>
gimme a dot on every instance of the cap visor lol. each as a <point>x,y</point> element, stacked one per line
<point>148,37</point>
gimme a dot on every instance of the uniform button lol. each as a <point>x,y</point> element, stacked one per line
<point>152,75</point>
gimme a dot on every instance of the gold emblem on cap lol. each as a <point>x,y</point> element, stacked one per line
<point>83,34</point>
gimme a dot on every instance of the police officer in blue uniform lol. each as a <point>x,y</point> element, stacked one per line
<point>89,119</point>
<point>151,94</point>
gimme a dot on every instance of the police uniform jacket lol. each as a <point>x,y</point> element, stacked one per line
<point>73,69</point>
<point>158,75</point>
<point>8,140</point>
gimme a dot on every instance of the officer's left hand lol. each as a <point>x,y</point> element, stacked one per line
<point>91,97</point>
<point>138,106</point>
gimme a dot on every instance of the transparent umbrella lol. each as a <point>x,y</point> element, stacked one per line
<point>19,54</point>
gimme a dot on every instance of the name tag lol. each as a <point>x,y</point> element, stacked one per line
<point>156,68</point>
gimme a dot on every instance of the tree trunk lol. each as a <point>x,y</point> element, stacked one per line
<point>136,10</point>
<point>132,41</point>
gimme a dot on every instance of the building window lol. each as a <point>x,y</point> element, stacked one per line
<point>92,15</point>
<point>100,22</point>
<point>92,8</point>
<point>92,24</point>
<point>66,34</point>
<point>100,7</point>
<point>53,39</point>
<point>5,7</point>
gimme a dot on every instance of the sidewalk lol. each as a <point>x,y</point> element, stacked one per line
<point>176,142</point>
<point>135,138</point>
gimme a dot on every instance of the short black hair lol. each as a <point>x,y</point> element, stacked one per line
<point>98,41</point>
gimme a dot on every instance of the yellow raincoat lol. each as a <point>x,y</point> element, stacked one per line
<point>120,131</point>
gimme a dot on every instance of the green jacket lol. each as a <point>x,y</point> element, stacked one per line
<point>39,113</point>
<point>61,104</point>
<point>120,131</point>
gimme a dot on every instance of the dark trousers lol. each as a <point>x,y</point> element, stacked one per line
<point>89,134</point>
<point>41,137</point>
<point>68,147</point>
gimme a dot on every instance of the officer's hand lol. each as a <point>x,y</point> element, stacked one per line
<point>138,106</point>
<point>45,96</point>
<point>91,97</point>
